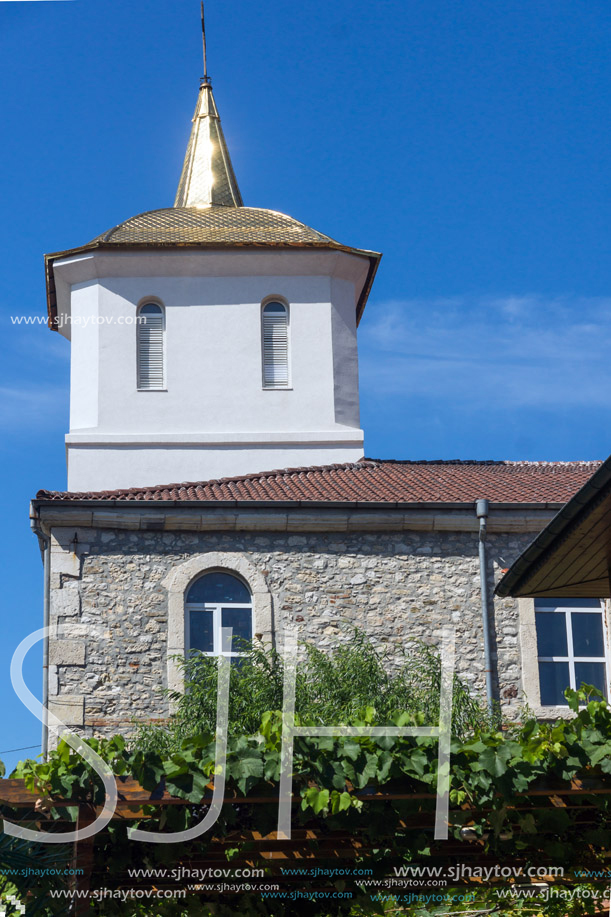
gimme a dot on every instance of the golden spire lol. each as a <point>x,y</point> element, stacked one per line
<point>207,174</point>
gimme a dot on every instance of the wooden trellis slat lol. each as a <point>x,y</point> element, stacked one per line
<point>307,845</point>
<point>14,793</point>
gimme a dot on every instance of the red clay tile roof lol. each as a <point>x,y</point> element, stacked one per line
<point>374,480</point>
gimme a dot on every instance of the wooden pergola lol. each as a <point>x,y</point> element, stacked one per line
<point>312,845</point>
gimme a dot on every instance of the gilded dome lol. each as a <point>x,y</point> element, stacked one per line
<point>213,225</point>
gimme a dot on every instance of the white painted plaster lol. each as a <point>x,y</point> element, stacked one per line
<point>108,468</point>
<point>84,357</point>
<point>214,419</point>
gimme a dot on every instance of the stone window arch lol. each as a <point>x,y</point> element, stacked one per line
<point>178,583</point>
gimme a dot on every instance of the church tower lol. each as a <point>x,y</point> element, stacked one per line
<point>208,339</point>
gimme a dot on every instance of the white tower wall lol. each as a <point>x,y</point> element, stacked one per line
<point>214,418</point>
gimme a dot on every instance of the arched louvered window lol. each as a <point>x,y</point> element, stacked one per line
<point>150,332</point>
<point>275,319</point>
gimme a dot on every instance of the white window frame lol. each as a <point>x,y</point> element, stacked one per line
<point>216,610</point>
<point>276,386</point>
<point>571,658</point>
<point>161,386</point>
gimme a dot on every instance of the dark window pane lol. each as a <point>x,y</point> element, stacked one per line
<point>240,619</point>
<point>551,633</point>
<point>274,308</point>
<point>553,681</point>
<point>216,588</point>
<point>150,309</point>
<point>588,634</point>
<point>591,673</point>
<point>201,632</point>
<point>566,603</point>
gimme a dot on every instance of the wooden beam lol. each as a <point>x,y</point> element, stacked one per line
<point>15,794</point>
<point>83,858</point>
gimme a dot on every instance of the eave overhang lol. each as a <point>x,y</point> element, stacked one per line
<point>288,515</point>
<point>571,557</point>
<point>373,259</point>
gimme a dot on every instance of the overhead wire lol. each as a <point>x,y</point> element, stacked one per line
<point>9,751</point>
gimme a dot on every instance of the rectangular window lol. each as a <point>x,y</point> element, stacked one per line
<point>201,631</point>
<point>206,623</point>
<point>570,647</point>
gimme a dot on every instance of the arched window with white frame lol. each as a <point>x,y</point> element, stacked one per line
<point>275,344</point>
<point>150,347</point>
<point>213,601</point>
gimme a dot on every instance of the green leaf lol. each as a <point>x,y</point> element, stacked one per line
<point>315,799</point>
<point>246,767</point>
<point>350,749</point>
<point>418,762</point>
<point>604,751</point>
<point>573,698</point>
<point>528,824</point>
<point>494,760</point>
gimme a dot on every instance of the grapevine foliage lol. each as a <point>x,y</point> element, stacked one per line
<point>489,769</point>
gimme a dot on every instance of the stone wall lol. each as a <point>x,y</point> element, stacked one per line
<point>111,594</point>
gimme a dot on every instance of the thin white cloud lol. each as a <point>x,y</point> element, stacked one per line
<point>38,341</point>
<point>32,408</point>
<point>515,350</point>
<point>34,391</point>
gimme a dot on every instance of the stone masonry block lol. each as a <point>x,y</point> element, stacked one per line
<point>69,708</point>
<point>62,539</point>
<point>68,564</point>
<point>65,601</point>
<point>66,652</point>
<point>53,682</point>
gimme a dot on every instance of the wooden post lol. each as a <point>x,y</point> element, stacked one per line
<point>83,857</point>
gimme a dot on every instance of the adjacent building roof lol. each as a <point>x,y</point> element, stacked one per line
<point>571,557</point>
<point>382,481</point>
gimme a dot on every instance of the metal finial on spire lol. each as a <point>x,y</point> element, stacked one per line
<point>207,176</point>
<point>206,78</point>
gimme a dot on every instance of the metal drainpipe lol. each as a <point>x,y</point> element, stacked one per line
<point>481,508</point>
<point>44,541</point>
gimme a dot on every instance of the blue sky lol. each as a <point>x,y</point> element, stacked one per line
<point>469,142</point>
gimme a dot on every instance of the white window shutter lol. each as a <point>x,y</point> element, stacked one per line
<point>275,349</point>
<point>150,352</point>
